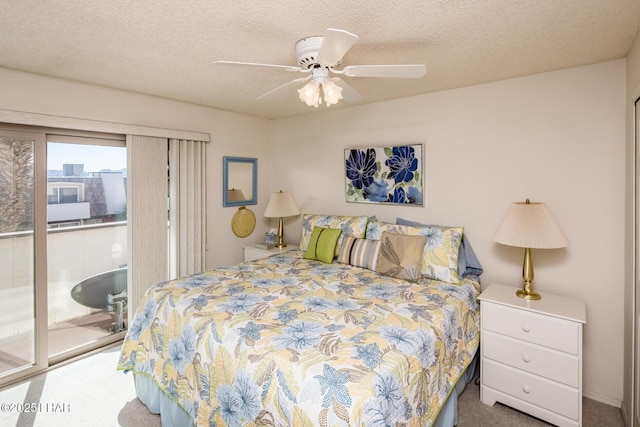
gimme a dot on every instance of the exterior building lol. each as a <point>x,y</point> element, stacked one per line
<point>82,198</point>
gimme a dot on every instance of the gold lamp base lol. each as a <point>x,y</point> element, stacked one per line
<point>527,291</point>
<point>280,236</point>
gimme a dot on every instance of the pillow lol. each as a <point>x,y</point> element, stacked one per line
<point>468,264</point>
<point>350,225</point>
<point>401,256</point>
<point>359,252</point>
<point>322,244</point>
<point>441,251</point>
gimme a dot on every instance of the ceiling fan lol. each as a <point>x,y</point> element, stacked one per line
<point>320,57</point>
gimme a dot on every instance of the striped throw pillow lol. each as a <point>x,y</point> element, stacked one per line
<point>359,252</point>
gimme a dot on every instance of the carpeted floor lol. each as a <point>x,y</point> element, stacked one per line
<point>90,391</point>
<point>17,350</point>
<point>472,412</point>
<point>87,392</point>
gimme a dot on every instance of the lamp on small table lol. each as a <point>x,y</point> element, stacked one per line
<point>530,225</point>
<point>281,205</point>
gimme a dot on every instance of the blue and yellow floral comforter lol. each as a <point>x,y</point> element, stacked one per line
<point>289,341</point>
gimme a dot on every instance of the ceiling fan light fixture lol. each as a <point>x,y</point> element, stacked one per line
<point>310,94</point>
<point>320,57</point>
<point>332,92</point>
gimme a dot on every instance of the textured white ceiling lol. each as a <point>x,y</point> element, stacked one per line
<point>167,48</point>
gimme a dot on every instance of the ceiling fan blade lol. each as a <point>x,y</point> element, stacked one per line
<point>334,45</point>
<point>253,64</point>
<point>411,71</point>
<point>348,92</point>
<point>284,86</point>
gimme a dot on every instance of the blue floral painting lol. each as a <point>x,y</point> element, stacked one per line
<point>385,175</point>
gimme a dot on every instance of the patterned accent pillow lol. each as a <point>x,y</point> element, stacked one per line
<point>350,225</point>
<point>359,252</point>
<point>322,244</point>
<point>401,256</point>
<point>441,252</point>
<point>468,263</point>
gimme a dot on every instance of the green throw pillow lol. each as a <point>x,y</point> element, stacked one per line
<point>322,244</point>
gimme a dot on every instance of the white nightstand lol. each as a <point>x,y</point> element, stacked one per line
<point>531,354</point>
<point>251,252</point>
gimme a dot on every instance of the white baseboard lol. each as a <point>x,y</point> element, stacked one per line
<point>625,415</point>
<point>608,400</point>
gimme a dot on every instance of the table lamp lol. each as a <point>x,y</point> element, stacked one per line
<point>281,205</point>
<point>529,225</point>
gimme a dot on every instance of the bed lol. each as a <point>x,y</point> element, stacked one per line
<point>315,337</point>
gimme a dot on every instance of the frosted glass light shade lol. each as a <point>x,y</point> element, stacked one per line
<point>530,225</point>
<point>332,93</point>
<point>280,205</point>
<point>310,94</point>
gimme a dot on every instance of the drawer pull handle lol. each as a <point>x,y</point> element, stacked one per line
<point>526,389</point>
<point>526,328</point>
<point>526,358</point>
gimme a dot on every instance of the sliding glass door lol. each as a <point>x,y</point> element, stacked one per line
<point>63,246</point>
<point>21,236</point>
<point>86,242</point>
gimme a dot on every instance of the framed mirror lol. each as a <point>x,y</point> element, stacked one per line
<point>239,181</point>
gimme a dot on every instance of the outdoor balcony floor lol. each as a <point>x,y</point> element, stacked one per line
<point>17,351</point>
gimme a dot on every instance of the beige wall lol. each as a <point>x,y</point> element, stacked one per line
<point>557,137</point>
<point>231,135</point>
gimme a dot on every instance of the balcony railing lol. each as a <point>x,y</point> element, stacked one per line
<point>73,254</point>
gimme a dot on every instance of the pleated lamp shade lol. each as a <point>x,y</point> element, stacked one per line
<point>530,225</point>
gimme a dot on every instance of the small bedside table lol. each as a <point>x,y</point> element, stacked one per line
<point>252,253</point>
<point>531,354</point>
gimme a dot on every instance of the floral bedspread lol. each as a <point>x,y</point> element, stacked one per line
<point>289,341</point>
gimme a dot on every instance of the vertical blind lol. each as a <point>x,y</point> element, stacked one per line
<point>187,189</point>
<point>147,233</point>
<point>166,225</point>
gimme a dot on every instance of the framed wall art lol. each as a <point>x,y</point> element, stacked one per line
<point>391,175</point>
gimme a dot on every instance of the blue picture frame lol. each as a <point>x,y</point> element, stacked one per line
<point>241,171</point>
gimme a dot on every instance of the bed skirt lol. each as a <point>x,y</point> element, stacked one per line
<point>172,415</point>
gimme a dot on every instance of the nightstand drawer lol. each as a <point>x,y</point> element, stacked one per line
<point>551,364</point>
<point>532,327</point>
<point>251,254</point>
<point>529,388</point>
